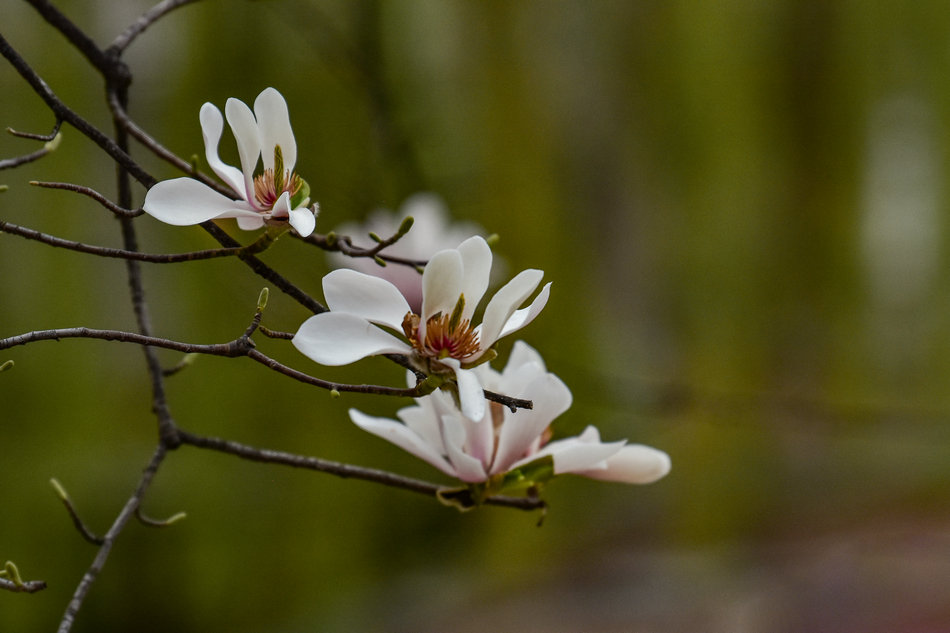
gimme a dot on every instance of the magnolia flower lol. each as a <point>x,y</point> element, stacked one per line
<point>486,450</point>
<point>441,339</point>
<point>432,231</point>
<point>273,195</point>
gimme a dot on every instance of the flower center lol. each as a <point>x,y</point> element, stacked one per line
<point>447,335</point>
<point>271,183</point>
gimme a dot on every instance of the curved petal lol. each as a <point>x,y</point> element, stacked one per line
<point>402,437</point>
<point>634,464</point>
<point>424,422</point>
<point>183,202</point>
<point>504,303</point>
<point>471,394</point>
<point>333,338</point>
<point>467,467</point>
<point>582,453</point>
<point>248,138</point>
<point>371,298</point>
<point>303,221</point>
<point>250,222</point>
<point>523,317</point>
<point>551,398</point>
<point>212,125</point>
<point>441,286</point>
<point>273,121</point>
<point>476,268</point>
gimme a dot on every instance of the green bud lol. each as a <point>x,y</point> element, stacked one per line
<point>60,491</point>
<point>379,260</point>
<point>331,238</point>
<point>405,226</point>
<point>193,163</point>
<point>7,365</point>
<point>4,188</point>
<point>334,394</point>
<point>493,239</point>
<point>375,237</point>
<point>262,298</point>
<point>49,147</point>
<point>11,572</point>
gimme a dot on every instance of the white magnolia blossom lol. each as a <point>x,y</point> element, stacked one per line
<point>476,450</point>
<point>442,337</point>
<point>432,231</point>
<point>272,196</point>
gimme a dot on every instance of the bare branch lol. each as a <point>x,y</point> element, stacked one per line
<point>340,470</point>
<point>45,138</point>
<point>127,512</point>
<point>84,531</point>
<point>155,258</point>
<point>27,586</point>
<point>92,193</point>
<point>145,20</point>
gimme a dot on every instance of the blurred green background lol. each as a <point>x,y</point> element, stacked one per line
<point>741,206</point>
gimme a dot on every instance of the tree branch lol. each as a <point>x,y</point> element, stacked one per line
<point>340,470</point>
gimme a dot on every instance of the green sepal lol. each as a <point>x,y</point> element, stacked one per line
<point>301,196</point>
<point>531,475</point>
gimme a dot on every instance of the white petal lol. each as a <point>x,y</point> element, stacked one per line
<point>273,120</point>
<point>523,317</point>
<point>402,437</point>
<point>425,422</point>
<point>550,398</point>
<point>441,283</point>
<point>581,453</point>
<point>183,202</point>
<point>634,464</point>
<point>476,268</point>
<point>522,354</point>
<point>468,467</point>
<point>248,138</point>
<point>504,303</point>
<point>212,125</point>
<point>250,223</point>
<point>369,297</point>
<point>471,393</point>
<point>334,338</point>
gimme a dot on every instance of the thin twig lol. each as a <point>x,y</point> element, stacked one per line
<point>145,20</point>
<point>81,526</point>
<point>64,113</point>
<point>92,193</point>
<point>344,244</point>
<point>118,253</point>
<point>242,346</point>
<point>27,586</point>
<point>45,138</point>
<point>127,512</point>
<point>339,469</point>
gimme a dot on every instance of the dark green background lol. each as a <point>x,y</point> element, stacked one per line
<point>742,208</point>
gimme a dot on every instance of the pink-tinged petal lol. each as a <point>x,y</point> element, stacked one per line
<point>273,120</point>
<point>521,430</point>
<point>505,302</point>
<point>471,393</point>
<point>402,437</point>
<point>333,338</point>
<point>250,222</point>
<point>634,464</point>
<point>248,138</point>
<point>523,317</point>
<point>183,202</point>
<point>425,422</point>
<point>212,126</point>
<point>476,268</point>
<point>369,297</point>
<point>467,467</point>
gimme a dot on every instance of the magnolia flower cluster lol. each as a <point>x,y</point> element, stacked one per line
<point>488,447</point>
